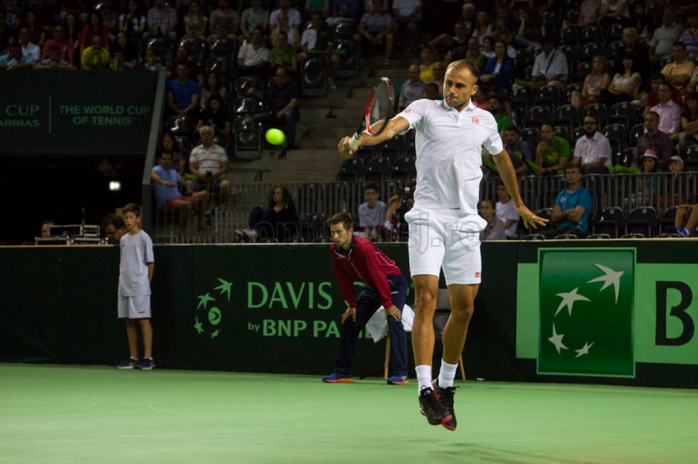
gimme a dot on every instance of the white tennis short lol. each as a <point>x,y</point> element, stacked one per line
<point>134,307</point>
<point>445,239</point>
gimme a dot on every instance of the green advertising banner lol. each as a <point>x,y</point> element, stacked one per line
<point>44,113</point>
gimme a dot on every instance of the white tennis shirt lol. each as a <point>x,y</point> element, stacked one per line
<point>449,153</point>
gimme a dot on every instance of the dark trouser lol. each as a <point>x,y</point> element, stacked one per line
<point>268,226</point>
<point>367,304</point>
<point>565,230</point>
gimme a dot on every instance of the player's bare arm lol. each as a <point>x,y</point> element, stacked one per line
<point>506,171</point>
<point>395,126</point>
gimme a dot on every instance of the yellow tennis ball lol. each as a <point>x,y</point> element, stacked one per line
<point>275,136</point>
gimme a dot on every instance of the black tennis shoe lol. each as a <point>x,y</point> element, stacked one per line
<point>430,407</point>
<point>445,397</point>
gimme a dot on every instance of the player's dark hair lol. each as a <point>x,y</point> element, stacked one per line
<point>132,208</point>
<point>342,218</point>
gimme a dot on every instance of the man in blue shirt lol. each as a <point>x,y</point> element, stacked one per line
<point>182,93</point>
<point>572,206</point>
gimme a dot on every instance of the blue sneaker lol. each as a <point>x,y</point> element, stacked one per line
<point>338,378</point>
<point>398,380</point>
<point>147,364</point>
<point>682,231</point>
<point>130,363</point>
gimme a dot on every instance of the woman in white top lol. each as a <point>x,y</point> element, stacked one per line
<point>195,22</point>
<point>594,83</point>
<point>613,11</point>
<point>483,26</point>
<point>624,86</point>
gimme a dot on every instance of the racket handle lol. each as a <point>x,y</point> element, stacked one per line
<point>354,140</point>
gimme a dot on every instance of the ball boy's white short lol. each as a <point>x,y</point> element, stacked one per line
<point>445,239</point>
<point>134,307</point>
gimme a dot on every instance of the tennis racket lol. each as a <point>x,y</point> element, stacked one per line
<point>379,109</point>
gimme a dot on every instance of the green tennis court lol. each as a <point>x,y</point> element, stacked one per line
<point>69,414</point>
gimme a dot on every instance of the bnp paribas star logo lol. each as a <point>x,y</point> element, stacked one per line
<point>208,314</point>
<point>586,312</point>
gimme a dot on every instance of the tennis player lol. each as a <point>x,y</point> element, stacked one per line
<point>444,225</point>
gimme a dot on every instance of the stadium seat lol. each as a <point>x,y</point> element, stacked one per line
<point>378,169</point>
<point>538,115</point>
<point>244,83</point>
<point>642,220</point>
<point>591,34</point>
<point>314,78</point>
<point>247,139</point>
<point>569,36</point>
<point>549,96</point>
<point>196,49</point>
<point>667,223</point>
<point>622,113</point>
<point>352,170</point>
<point>635,133</point>
<point>690,157</point>
<point>614,32</point>
<point>246,107</point>
<point>590,50</point>
<point>567,115</point>
<point>611,221</point>
<point>599,110</point>
<point>404,168</point>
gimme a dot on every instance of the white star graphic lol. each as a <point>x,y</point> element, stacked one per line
<point>568,300</point>
<point>584,350</point>
<point>557,340</point>
<point>611,277</point>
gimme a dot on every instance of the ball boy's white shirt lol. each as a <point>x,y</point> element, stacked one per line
<point>448,145</point>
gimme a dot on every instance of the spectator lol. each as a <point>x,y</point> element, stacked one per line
<point>612,12</point>
<point>520,152</point>
<point>318,40</point>
<point>344,11</point>
<point>213,84</point>
<point>78,9</point>
<point>182,93</point>
<point>54,61</point>
<point>195,22</point>
<point>284,55</point>
<point>110,17</point>
<point>165,180</point>
<point>13,14</point>
<point>473,55</point>
<point>624,86</point>
<point>529,33</point>
<point>223,22</point>
<point>433,92</point>
<point>468,18</point>
<point>426,67</point>
<point>668,111</point>
<point>133,23</point>
<point>150,61</point>
<point>129,52</point>
<point>505,210</point>
<point>37,34</point>
<point>689,121</point>
<point>500,71</point>
<point>647,184</point>
<point>494,230</point>
<point>594,83</point>
<point>487,47</point>
<point>215,115</point>
<point>72,30</point>
<point>293,25</point>
<point>28,48</point>
<point>253,17</point>
<point>439,69</point>
<point>678,73</point>
<point>588,13</point>
<point>66,51</point>
<point>592,151</point>
<point>483,26</point>
<point>13,60</point>
<point>572,206</point>
<point>372,213</point>
<point>639,51</point>
<point>412,89</point>
<point>161,22</point>
<point>552,151</point>
<point>550,66</point>
<point>114,228</point>
<point>453,47</point>
<point>665,36</point>
<point>689,37</point>
<point>282,102</point>
<point>277,223</point>
<point>641,21</point>
<point>376,28</point>
<point>46,228</point>
<point>496,107</point>
<point>170,145</point>
<point>408,18</point>
<point>652,98</point>
<point>253,57</point>
<point>655,140</point>
<point>686,220</point>
<point>209,165</point>
<point>182,56</point>
<point>95,56</point>
<point>94,29</point>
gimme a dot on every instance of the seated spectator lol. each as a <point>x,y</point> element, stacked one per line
<point>588,13</point>
<point>37,33</point>
<point>344,11</point>
<point>376,28</point>
<point>110,17</point>
<point>599,79</point>
<point>495,105</point>
<point>500,71</point>
<point>72,30</point>
<point>652,98</point>
<point>165,179</point>
<point>208,163</point>
<point>506,211</point>
<point>592,151</point>
<point>195,73</point>
<point>318,41</point>
<point>28,48</point>
<point>426,67</point>
<point>46,228</point>
<point>639,51</point>
<point>432,92</point>
<point>161,22</point>
<point>95,28</point>
<point>290,22</point>
<point>494,230</point>
<point>212,84</point>
<point>678,73</point>
<point>550,66</point>
<point>473,54</point>
<point>641,21</point>
<point>253,57</point>
<point>612,12</point>
<point>372,214</point>
<point>13,60</point>
<point>95,56</point>
<point>66,51</point>
<point>182,93</point>
<point>223,22</point>
<point>215,115</point>
<point>552,151</point>
<point>452,47</point>
<point>673,179</point>
<point>282,102</point>
<point>129,52</point>
<point>13,13</point>
<point>78,9</point>
<point>655,140</point>
<point>195,22</point>
<point>253,17</point>
<point>689,37</point>
<point>483,26</point>
<point>132,23</point>
<point>277,223</point>
<point>487,47</point>
<point>468,18</point>
<point>283,54</point>
<point>179,159</point>
<point>54,61</point>
<point>572,206</point>
<point>150,61</point>
<point>624,86</point>
<point>412,89</point>
<point>408,19</point>
<point>439,70</point>
<point>689,121</point>
<point>529,33</point>
<point>520,152</point>
<point>664,37</point>
<point>668,111</point>
<point>647,185</point>
<point>114,228</point>
<point>686,220</point>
